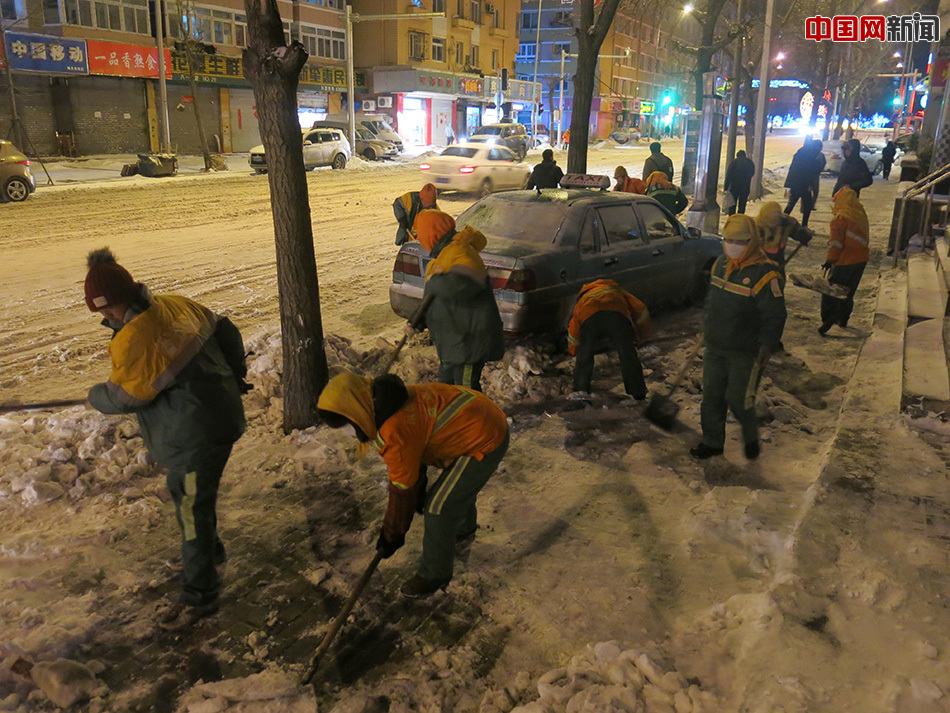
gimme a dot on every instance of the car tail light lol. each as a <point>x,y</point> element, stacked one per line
<point>24,163</point>
<point>424,166</point>
<point>515,280</point>
<point>408,265</point>
<point>467,169</point>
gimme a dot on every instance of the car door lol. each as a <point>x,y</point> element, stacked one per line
<point>623,251</point>
<point>670,270</point>
<point>505,167</point>
<point>311,152</point>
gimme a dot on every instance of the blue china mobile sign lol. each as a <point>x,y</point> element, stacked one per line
<point>46,53</point>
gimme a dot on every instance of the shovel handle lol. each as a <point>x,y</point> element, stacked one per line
<point>688,362</point>
<point>41,405</point>
<point>413,321</point>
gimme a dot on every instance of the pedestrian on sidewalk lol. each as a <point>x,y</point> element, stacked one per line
<point>854,172</point>
<point>463,316</point>
<point>657,161</point>
<point>627,183</point>
<point>546,174</point>
<point>453,428</point>
<point>802,179</point>
<point>180,369</point>
<point>888,153</point>
<point>606,313</point>
<point>743,323</point>
<point>738,181</point>
<point>408,206</point>
<point>669,195</point>
<point>846,258</point>
<point>449,134</point>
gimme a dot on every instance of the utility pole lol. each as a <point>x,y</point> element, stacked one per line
<point>164,134</point>
<point>14,116</point>
<point>734,101</point>
<point>762,100</point>
<point>351,19</point>
<point>534,84</point>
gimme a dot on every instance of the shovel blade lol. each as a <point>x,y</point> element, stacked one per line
<point>662,412</point>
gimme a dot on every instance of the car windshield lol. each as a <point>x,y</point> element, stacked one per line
<point>463,151</point>
<point>488,131</point>
<point>363,134</point>
<point>523,217</point>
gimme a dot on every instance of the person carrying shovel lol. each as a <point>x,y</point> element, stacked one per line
<point>408,206</point>
<point>776,228</point>
<point>180,369</point>
<point>451,427</point>
<point>743,323</point>
<point>846,258</point>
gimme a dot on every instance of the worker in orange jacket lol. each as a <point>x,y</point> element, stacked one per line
<point>606,312</point>
<point>847,256</point>
<point>627,183</point>
<point>451,427</point>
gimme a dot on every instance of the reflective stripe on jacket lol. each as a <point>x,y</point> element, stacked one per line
<point>606,295</point>
<point>745,311</point>
<point>847,245</point>
<point>438,424</point>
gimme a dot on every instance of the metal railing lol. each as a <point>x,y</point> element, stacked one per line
<point>924,185</point>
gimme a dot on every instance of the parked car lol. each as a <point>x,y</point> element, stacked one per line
<point>377,125</point>
<point>514,136</point>
<point>16,178</point>
<point>321,147</point>
<point>471,168</point>
<point>544,246</point>
<point>368,145</point>
<point>623,135</point>
<point>834,157</point>
<point>543,136</point>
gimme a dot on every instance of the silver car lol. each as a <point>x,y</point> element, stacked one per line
<point>16,178</point>
<point>372,147</point>
<point>543,247</point>
<point>834,158</point>
<point>321,147</point>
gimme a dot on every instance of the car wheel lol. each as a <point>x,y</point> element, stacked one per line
<point>16,190</point>
<point>259,171</point>
<point>486,188</point>
<point>369,154</point>
<point>522,153</point>
<point>878,167</point>
<point>339,161</point>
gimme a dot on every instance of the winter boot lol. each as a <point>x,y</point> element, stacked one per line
<point>181,616</point>
<point>418,587</point>
<point>702,452</point>
<point>752,450</point>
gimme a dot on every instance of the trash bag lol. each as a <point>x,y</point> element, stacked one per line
<point>157,165</point>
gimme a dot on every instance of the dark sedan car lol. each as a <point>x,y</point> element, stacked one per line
<point>544,246</point>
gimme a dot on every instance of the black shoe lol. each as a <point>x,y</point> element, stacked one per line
<point>702,452</point>
<point>824,328</point>
<point>181,616</point>
<point>752,450</point>
<point>418,587</point>
<point>843,324</point>
<point>466,537</point>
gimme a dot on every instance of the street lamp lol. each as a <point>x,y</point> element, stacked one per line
<point>687,8</point>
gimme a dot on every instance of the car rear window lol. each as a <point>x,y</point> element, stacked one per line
<point>528,219</point>
<point>462,151</point>
<point>488,131</point>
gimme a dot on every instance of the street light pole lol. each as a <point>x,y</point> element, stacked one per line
<point>534,84</point>
<point>560,102</point>
<point>164,134</point>
<point>761,100</point>
<point>14,116</point>
<point>351,19</point>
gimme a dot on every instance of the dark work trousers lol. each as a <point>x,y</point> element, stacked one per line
<point>739,205</point>
<point>834,311</point>
<point>450,510</point>
<point>808,203</point>
<point>469,375</point>
<point>194,489</point>
<point>615,329</point>
<point>886,169</point>
<point>726,378</point>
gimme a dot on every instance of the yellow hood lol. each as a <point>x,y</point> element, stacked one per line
<point>461,256</point>
<point>351,395</point>
<point>848,205</point>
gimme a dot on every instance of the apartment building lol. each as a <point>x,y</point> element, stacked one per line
<point>86,71</point>
<point>641,80</point>
<point>426,74</point>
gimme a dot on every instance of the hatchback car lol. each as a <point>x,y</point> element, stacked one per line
<point>834,158</point>
<point>372,147</point>
<point>321,147</point>
<point>514,136</point>
<point>16,178</point>
<point>481,168</point>
<point>544,246</point>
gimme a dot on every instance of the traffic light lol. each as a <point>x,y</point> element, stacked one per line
<point>504,79</point>
<point>667,99</point>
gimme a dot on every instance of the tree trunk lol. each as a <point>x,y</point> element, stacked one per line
<point>205,153</point>
<point>274,70</point>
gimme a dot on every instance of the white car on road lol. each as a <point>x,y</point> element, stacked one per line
<point>834,158</point>
<point>476,168</point>
<point>321,147</point>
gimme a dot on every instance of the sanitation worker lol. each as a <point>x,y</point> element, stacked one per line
<point>846,258</point>
<point>627,183</point>
<point>605,312</point>
<point>776,228</point>
<point>408,206</point>
<point>450,427</point>
<point>180,369</point>
<point>669,195</point>
<point>462,316</point>
<point>743,322</point>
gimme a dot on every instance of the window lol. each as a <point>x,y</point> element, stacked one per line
<point>13,9</point>
<point>459,53</point>
<point>417,46</point>
<point>588,243</point>
<point>438,5</point>
<point>495,18</point>
<point>529,20</point>
<point>620,224</point>
<point>331,44</point>
<point>475,10</point>
<point>562,17</point>
<point>473,58</point>
<point>500,154</point>
<point>525,52</point>
<point>494,60</point>
<point>222,27</point>
<point>659,225</point>
<point>560,47</point>
<point>120,15</point>
<point>460,8</point>
<point>438,49</point>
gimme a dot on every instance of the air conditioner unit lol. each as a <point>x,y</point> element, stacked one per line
<point>489,8</point>
<point>369,105</point>
<point>384,102</point>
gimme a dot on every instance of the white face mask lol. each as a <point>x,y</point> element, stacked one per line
<point>733,250</point>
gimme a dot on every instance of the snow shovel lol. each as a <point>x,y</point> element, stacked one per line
<point>821,284</point>
<point>341,617</point>
<point>413,321</point>
<point>41,405</point>
<point>662,410</point>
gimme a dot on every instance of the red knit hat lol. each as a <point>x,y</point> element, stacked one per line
<point>428,195</point>
<point>107,282</point>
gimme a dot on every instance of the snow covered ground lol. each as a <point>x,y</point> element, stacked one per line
<point>611,572</point>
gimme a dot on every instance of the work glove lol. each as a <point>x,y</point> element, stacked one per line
<point>410,330</point>
<point>802,235</point>
<point>388,547</point>
<point>826,266</point>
